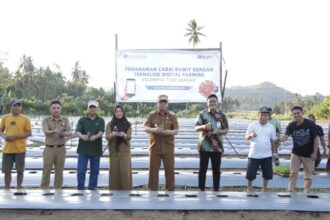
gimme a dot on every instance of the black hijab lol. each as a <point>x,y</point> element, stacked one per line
<point>119,124</point>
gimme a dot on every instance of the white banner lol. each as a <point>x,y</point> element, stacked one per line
<point>183,75</point>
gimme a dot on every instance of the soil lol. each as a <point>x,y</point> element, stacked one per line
<point>146,215</point>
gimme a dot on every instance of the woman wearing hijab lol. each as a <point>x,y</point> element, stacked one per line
<point>118,133</point>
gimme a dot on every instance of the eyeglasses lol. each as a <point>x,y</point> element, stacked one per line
<point>92,106</point>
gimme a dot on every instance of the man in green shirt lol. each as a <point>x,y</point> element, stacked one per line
<point>211,124</point>
<point>277,124</point>
<point>89,129</point>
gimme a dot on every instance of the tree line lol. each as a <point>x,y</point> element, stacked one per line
<point>37,86</point>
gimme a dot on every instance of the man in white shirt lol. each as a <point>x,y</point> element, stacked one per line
<point>262,136</point>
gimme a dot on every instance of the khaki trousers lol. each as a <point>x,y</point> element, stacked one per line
<point>120,176</point>
<point>155,161</point>
<point>53,157</point>
<point>308,165</point>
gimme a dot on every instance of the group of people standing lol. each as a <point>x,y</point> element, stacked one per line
<point>264,136</point>
<point>161,126</point>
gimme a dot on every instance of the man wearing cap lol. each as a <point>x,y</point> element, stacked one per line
<point>211,124</point>
<point>89,130</point>
<point>305,145</point>
<point>162,126</point>
<point>262,137</point>
<point>56,128</point>
<point>14,128</point>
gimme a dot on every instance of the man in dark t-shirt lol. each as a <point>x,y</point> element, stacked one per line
<point>305,145</point>
<point>320,134</point>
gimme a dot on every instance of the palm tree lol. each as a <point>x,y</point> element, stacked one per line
<point>26,69</point>
<point>78,74</point>
<point>26,64</point>
<point>194,32</point>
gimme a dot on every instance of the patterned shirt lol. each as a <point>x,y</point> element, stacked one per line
<point>205,117</point>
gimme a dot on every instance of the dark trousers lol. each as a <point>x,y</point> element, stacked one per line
<point>203,165</point>
<point>318,158</point>
<point>327,167</point>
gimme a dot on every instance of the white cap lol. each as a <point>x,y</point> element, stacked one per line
<point>93,102</point>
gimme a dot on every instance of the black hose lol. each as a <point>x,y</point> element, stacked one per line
<point>239,156</point>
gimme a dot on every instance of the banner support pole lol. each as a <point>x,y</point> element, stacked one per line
<point>187,109</point>
<point>114,84</point>
<point>221,86</point>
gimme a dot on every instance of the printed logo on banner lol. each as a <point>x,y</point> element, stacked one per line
<point>204,57</point>
<point>126,56</point>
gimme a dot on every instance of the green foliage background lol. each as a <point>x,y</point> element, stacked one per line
<point>37,86</point>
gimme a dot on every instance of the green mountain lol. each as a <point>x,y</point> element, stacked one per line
<point>255,96</point>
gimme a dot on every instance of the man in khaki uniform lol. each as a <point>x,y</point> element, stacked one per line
<point>56,129</point>
<point>162,126</point>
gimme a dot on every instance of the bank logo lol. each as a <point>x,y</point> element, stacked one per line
<point>204,57</point>
<point>134,56</point>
